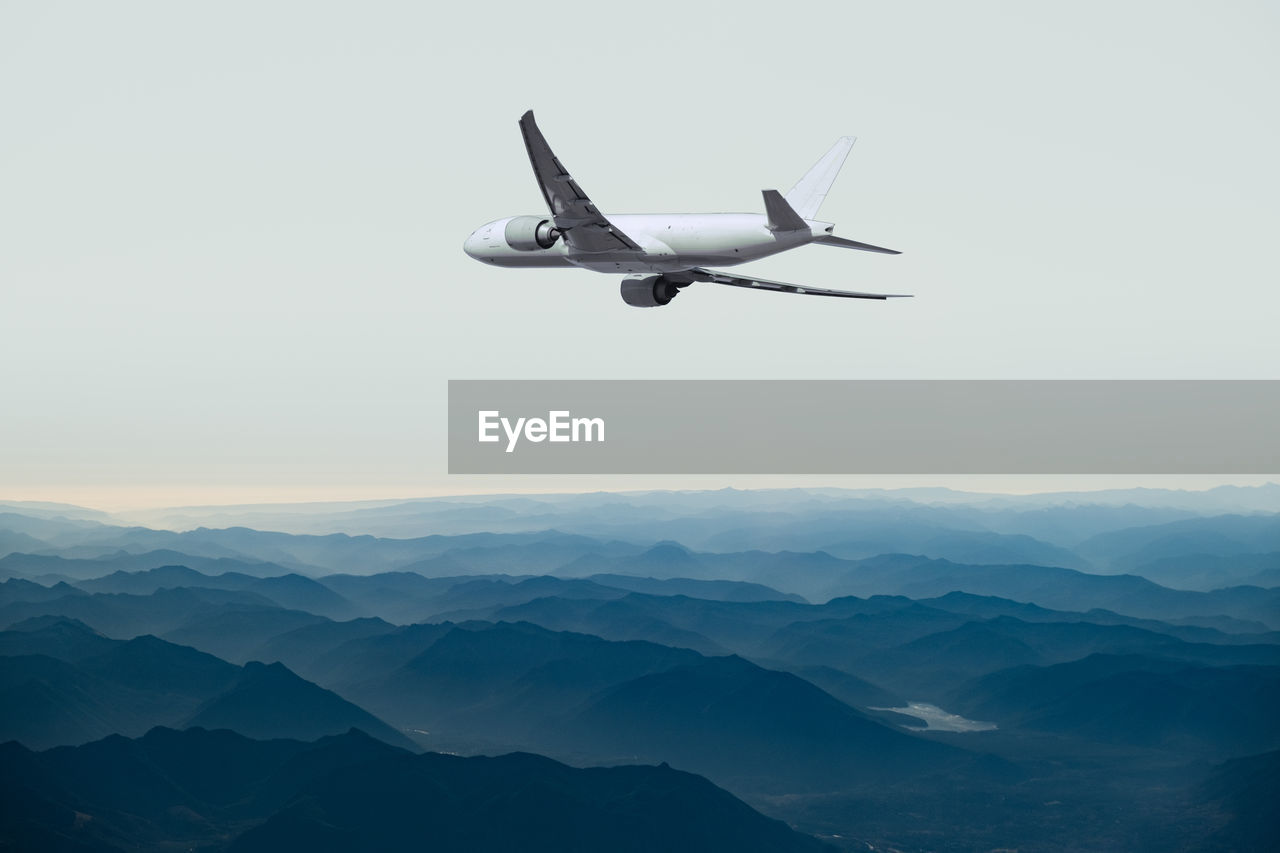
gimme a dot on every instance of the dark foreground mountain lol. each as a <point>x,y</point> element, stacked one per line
<point>481,687</point>
<point>63,683</point>
<point>219,791</point>
<point>496,685</point>
<point>1246,789</point>
<point>758,730</point>
<point>269,701</point>
<point>1135,699</point>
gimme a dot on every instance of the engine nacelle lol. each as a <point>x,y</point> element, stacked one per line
<point>648,291</point>
<point>530,233</point>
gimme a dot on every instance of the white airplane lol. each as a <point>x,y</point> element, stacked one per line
<point>662,253</point>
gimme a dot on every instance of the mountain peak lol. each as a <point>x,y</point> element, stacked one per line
<point>668,551</point>
<point>53,621</point>
<point>269,700</point>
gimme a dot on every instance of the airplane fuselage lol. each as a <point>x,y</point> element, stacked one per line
<point>668,243</point>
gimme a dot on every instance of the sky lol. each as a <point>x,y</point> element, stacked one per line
<point>231,266</point>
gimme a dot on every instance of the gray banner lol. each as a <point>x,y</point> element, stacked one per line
<point>863,427</point>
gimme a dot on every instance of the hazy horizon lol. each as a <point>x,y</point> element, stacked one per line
<point>124,500</point>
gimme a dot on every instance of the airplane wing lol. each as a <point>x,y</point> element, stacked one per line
<point>583,226</point>
<point>700,274</point>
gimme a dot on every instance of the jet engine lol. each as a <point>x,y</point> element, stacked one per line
<point>648,291</point>
<point>530,233</point>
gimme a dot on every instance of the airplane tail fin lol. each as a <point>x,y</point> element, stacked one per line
<point>810,191</point>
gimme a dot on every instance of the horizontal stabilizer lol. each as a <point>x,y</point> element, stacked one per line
<point>833,240</point>
<point>781,215</point>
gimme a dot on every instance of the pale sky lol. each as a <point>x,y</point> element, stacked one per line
<point>231,258</point>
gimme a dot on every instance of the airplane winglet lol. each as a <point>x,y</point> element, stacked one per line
<point>782,217</point>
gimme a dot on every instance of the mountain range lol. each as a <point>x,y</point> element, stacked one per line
<point>884,670</point>
<point>348,792</point>
<point>63,683</point>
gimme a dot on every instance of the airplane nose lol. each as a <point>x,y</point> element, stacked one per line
<point>484,244</point>
<point>472,244</point>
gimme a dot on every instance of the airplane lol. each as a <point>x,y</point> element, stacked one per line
<point>661,254</point>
